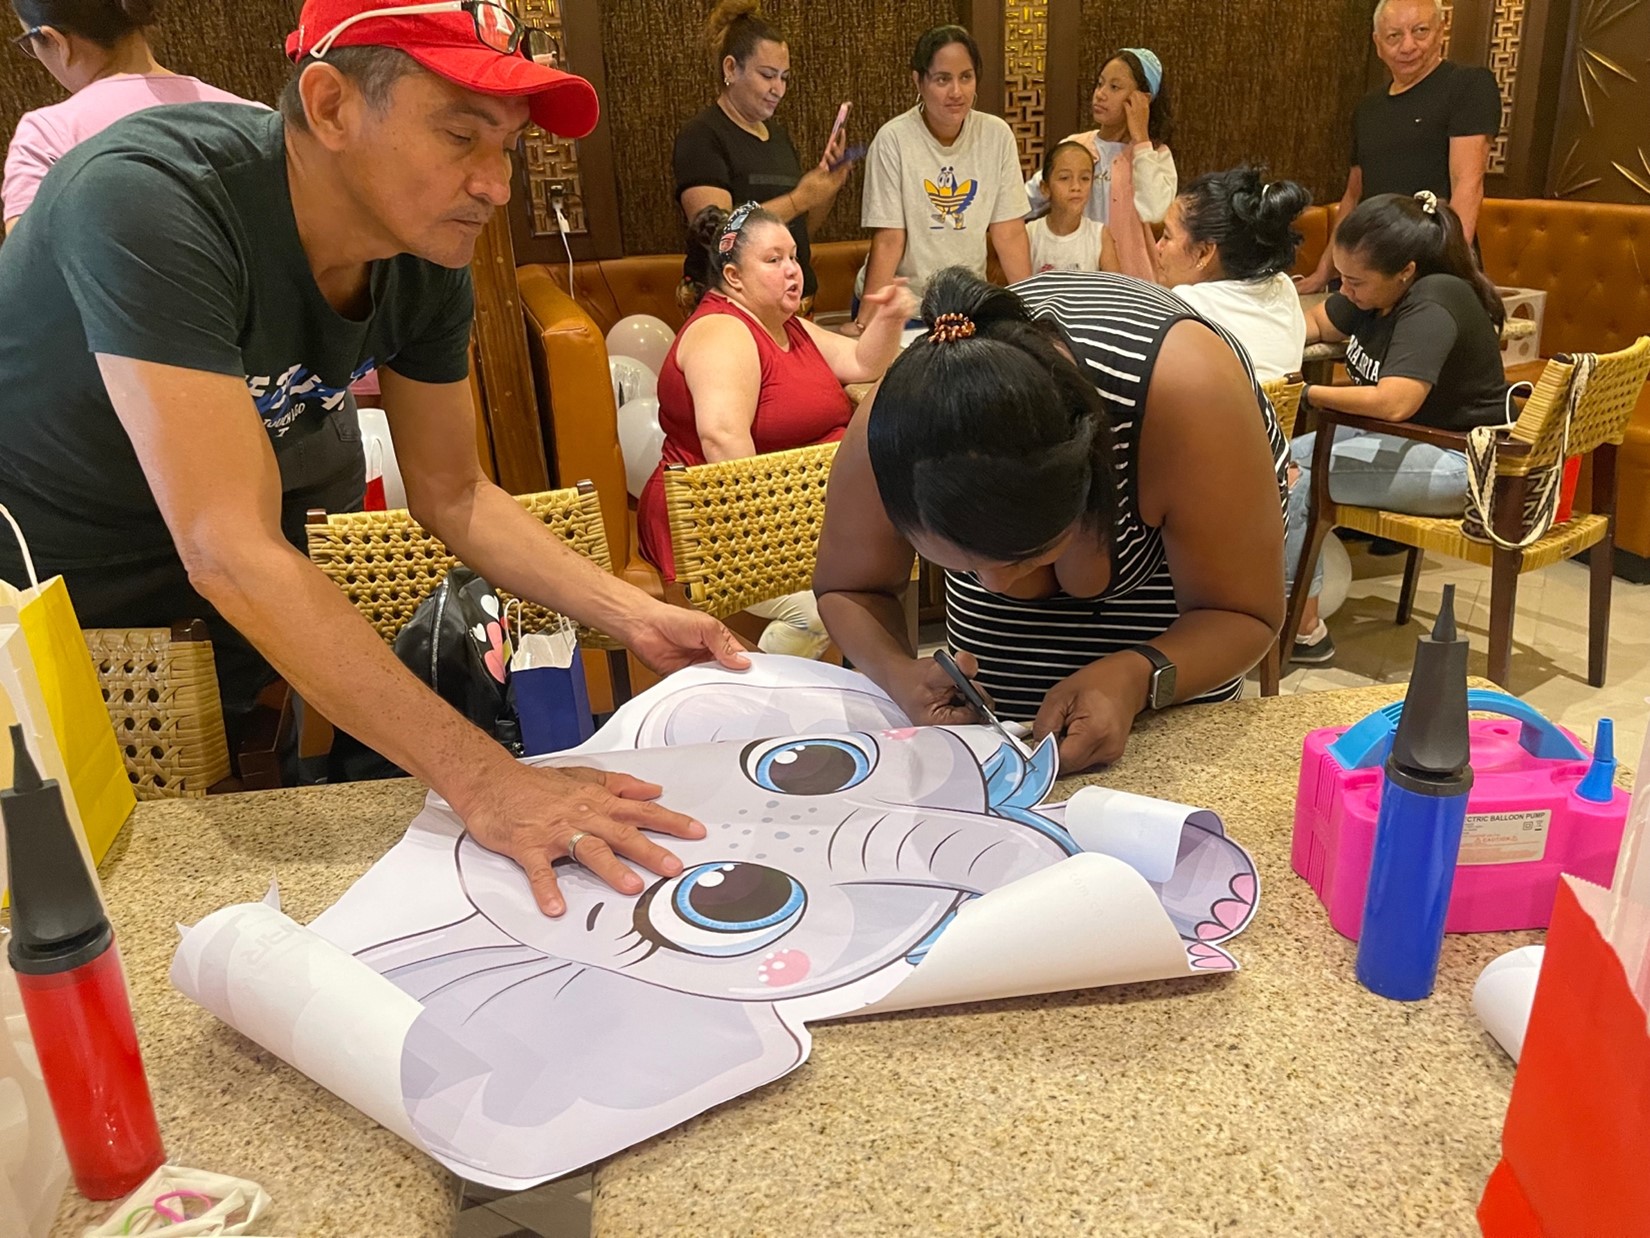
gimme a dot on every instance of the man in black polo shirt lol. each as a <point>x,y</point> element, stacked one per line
<point>182,311</point>
<point>1430,128</point>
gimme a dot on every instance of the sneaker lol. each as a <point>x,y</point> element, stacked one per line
<point>1316,649</point>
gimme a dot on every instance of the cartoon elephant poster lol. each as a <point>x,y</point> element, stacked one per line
<point>851,864</point>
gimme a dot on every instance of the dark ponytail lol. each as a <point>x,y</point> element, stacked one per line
<point>104,22</point>
<point>1391,230</point>
<point>996,443</point>
<point>1247,220</point>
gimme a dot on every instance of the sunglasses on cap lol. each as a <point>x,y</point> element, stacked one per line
<point>496,27</point>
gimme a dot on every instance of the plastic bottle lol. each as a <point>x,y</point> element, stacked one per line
<point>1418,831</point>
<point>74,995</point>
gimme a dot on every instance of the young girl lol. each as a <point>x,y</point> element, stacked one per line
<point>1132,122</point>
<point>1066,239</point>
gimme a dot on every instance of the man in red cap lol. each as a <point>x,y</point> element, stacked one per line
<point>182,312</point>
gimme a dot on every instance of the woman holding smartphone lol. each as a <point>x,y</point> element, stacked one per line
<point>735,151</point>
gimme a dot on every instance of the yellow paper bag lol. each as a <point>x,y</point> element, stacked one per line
<point>62,667</point>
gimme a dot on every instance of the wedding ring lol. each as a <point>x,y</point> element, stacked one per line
<point>573,845</point>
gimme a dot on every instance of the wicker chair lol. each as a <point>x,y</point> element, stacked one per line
<point>1284,394</point>
<point>386,564</point>
<point>1596,428</point>
<point>1285,397</point>
<point>747,531</point>
<point>161,689</point>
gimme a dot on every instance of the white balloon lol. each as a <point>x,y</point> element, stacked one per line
<point>631,380</point>
<point>641,441</point>
<point>643,337</point>
<point>1337,576</point>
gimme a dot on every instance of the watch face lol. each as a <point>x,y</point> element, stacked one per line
<point>1163,684</point>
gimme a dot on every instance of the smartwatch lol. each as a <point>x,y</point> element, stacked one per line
<point>1160,689</point>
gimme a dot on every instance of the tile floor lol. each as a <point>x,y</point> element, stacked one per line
<point>1549,670</point>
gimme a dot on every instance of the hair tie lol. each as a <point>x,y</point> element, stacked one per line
<point>948,327</point>
<point>736,221</point>
<point>1428,201</point>
<point>1151,66</point>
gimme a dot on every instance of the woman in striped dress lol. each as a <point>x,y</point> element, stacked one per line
<point>1095,468</point>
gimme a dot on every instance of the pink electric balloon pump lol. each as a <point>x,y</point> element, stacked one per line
<point>1539,807</point>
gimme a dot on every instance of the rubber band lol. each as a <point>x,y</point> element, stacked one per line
<point>178,1218</point>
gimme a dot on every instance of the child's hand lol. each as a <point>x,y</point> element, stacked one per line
<point>1137,111</point>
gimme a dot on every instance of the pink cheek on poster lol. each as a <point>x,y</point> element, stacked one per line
<point>781,967</point>
<point>909,732</point>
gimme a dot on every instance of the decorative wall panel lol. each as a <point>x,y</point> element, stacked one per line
<point>1506,36</point>
<point>551,163</point>
<point>1025,47</point>
<point>1602,144</point>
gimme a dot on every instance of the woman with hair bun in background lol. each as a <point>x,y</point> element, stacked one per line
<point>1227,245</point>
<point>735,151</point>
<point>97,51</point>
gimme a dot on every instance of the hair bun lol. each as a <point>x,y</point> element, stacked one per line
<point>1281,202</point>
<point>140,12</point>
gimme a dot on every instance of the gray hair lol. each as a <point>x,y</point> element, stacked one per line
<point>1382,6</point>
<point>374,70</point>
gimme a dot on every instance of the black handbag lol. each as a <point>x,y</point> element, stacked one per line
<point>458,644</point>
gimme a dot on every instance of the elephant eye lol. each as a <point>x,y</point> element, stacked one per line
<point>721,909</point>
<point>817,765</point>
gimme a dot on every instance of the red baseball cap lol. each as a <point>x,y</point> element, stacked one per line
<point>447,44</point>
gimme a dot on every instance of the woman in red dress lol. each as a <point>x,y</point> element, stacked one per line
<point>747,376</point>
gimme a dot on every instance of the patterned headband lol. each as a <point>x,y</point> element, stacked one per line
<point>1151,66</point>
<point>949,327</point>
<point>736,221</point>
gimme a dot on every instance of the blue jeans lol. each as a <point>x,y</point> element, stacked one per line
<point>1374,470</point>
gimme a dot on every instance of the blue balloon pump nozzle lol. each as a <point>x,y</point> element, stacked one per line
<point>1599,784</point>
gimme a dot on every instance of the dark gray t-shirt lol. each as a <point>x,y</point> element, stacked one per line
<point>1439,333</point>
<point>1402,141</point>
<point>170,238</point>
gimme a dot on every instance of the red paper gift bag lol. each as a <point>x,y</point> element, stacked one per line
<point>1575,1151</point>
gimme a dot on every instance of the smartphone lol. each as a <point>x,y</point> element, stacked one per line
<point>852,155</point>
<point>841,119</point>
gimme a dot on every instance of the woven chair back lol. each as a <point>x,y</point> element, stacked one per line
<point>747,531</point>
<point>161,689</point>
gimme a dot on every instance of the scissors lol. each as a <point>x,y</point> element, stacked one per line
<point>971,694</point>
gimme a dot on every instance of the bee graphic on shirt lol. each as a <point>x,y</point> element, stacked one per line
<point>950,200</point>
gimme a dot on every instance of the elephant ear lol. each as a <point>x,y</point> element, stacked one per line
<point>539,1065</point>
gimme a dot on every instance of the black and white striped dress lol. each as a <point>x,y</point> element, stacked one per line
<point>1116,326</point>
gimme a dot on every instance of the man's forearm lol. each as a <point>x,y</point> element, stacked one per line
<point>1466,198</point>
<point>327,651</point>
<point>514,551</point>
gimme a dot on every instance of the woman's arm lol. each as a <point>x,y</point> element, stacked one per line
<point>1391,399</point>
<point>724,374</point>
<point>1013,246</point>
<point>864,360</point>
<point>887,248</point>
<point>1133,245</point>
<point>1208,480</point>
<point>860,579</point>
<point>1319,329</point>
<point>1155,181</point>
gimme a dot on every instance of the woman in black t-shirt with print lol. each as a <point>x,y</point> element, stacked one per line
<point>735,151</point>
<point>1422,326</point>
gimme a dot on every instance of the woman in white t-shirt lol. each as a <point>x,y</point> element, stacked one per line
<point>1227,246</point>
<point>1132,121</point>
<point>941,179</point>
